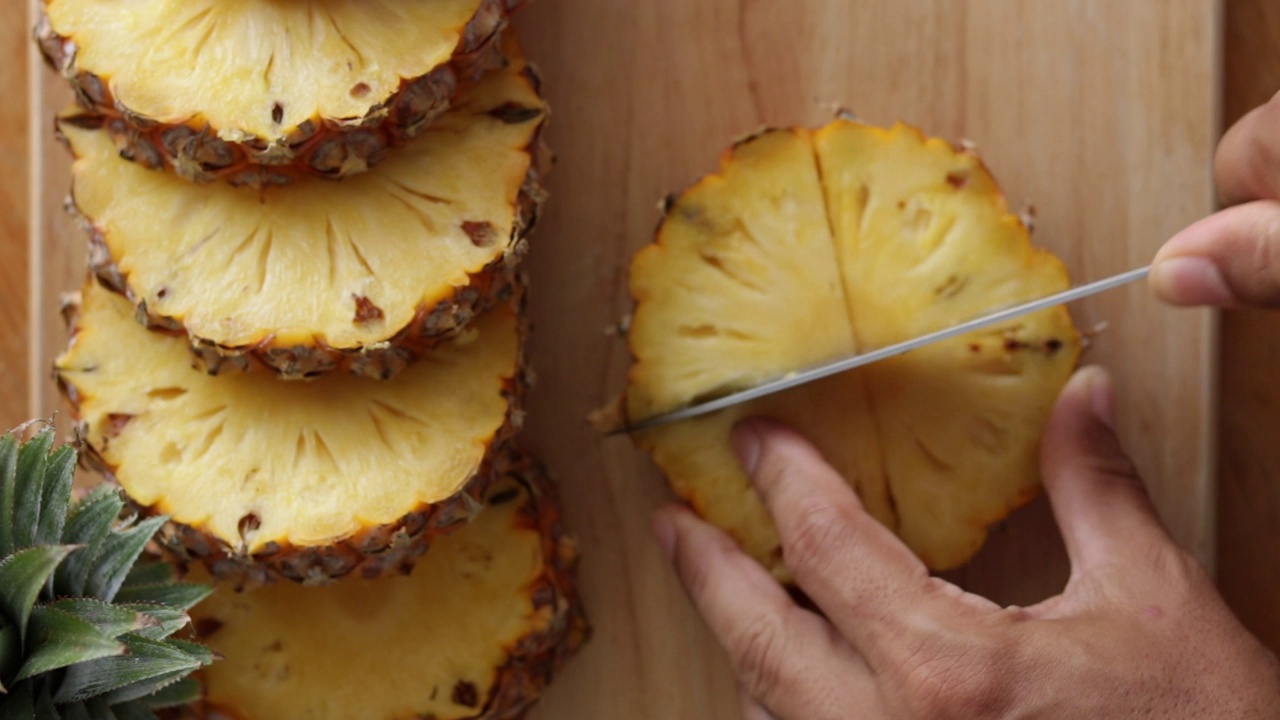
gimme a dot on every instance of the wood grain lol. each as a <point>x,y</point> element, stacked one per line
<point>1104,114</point>
<point>1071,103</point>
<point>1249,493</point>
<point>15,201</point>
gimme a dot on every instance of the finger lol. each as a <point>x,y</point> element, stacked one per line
<point>1228,259</point>
<point>786,658</point>
<point>1098,500</point>
<point>852,567</point>
<point>1247,163</point>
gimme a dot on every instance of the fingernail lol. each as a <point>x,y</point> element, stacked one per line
<point>664,530</point>
<point>746,444</point>
<point>1102,396</point>
<point>1191,281</point>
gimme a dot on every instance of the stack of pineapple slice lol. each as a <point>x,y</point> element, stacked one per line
<point>302,340</point>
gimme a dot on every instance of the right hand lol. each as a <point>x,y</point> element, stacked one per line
<point>1232,257</point>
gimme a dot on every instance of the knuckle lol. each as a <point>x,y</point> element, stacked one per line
<point>816,528</point>
<point>962,679</point>
<point>757,654</point>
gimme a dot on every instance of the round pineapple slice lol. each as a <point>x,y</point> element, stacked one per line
<point>476,631</point>
<point>809,246</point>
<point>262,93</point>
<point>265,479</point>
<point>360,276</point>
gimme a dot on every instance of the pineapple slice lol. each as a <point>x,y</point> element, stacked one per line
<point>306,481</point>
<point>809,246</point>
<point>359,276</point>
<point>476,631</point>
<point>260,93</point>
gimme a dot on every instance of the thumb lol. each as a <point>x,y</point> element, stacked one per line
<point>1228,259</point>
<point>1098,500</point>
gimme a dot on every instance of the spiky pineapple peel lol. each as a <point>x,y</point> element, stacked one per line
<point>813,245</point>
<point>86,627</point>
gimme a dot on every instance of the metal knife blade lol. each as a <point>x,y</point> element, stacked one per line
<point>807,376</point>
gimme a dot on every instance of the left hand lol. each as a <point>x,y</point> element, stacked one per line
<point>1138,632</point>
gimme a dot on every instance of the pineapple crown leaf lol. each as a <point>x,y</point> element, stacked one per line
<point>88,525</point>
<point>64,639</point>
<point>22,577</point>
<point>150,665</point>
<point>85,622</point>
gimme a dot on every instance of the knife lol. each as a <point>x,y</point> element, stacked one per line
<point>791,380</point>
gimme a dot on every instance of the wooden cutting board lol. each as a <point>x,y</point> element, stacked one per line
<point>1101,114</point>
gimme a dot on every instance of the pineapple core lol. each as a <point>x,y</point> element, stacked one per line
<point>257,68</point>
<point>809,246</point>
<point>252,460</point>
<point>474,614</point>
<point>318,263</point>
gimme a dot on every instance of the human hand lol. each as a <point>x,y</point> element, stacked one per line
<point>1232,258</point>
<point>1138,632</point>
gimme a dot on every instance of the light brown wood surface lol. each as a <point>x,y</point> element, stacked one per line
<point>1103,114</point>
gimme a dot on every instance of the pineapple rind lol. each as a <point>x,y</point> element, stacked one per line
<point>420,304</point>
<point>368,549</point>
<point>242,153</point>
<point>551,629</point>
<point>933,464</point>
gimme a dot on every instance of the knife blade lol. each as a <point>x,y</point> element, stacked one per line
<point>791,380</point>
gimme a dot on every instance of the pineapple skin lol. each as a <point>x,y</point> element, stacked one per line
<point>535,659</point>
<point>499,282</point>
<point>322,147</point>
<point>382,549</point>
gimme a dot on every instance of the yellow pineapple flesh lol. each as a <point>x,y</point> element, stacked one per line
<point>812,245</point>
<point>476,631</point>
<point>263,93</point>
<point>359,276</point>
<point>308,481</point>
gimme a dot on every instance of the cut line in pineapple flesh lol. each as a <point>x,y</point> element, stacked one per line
<point>307,481</point>
<point>360,276</point>
<point>265,93</point>
<point>475,632</point>
<point>813,245</point>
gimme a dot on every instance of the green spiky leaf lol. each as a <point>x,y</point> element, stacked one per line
<point>58,477</point>
<point>8,487</point>
<point>149,689</point>
<point>182,692</point>
<point>61,639</point>
<point>22,575</point>
<point>120,551</point>
<point>89,524</point>
<point>33,457</point>
<point>150,573</point>
<point>179,595</point>
<point>165,620</point>
<point>111,620</point>
<point>148,660</point>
